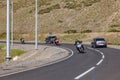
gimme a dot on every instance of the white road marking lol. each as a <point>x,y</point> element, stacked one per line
<point>101,53</point>
<point>99,62</point>
<point>103,56</point>
<point>86,72</point>
<point>81,75</point>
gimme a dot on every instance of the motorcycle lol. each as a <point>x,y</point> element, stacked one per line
<point>80,48</point>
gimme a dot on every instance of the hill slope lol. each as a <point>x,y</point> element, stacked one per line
<point>61,15</point>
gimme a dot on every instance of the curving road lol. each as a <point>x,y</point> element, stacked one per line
<point>100,64</point>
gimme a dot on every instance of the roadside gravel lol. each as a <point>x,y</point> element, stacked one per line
<point>45,55</point>
<point>114,46</point>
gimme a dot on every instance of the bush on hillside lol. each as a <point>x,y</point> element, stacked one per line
<point>90,2</point>
<point>47,10</point>
<point>113,30</point>
<point>70,31</point>
<point>60,21</point>
<point>71,5</point>
<point>42,2</point>
<point>115,25</point>
<point>86,31</point>
<point>2,35</point>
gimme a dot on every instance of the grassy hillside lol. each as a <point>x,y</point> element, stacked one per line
<point>63,16</point>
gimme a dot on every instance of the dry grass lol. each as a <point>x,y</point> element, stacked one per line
<point>112,38</point>
<point>100,15</point>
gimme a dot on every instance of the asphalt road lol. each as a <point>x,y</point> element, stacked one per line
<point>100,64</point>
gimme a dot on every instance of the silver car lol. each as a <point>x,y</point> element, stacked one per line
<point>98,42</point>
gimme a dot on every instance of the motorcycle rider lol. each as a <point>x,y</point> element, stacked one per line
<point>77,42</point>
<point>22,40</point>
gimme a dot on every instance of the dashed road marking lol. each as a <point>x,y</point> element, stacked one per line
<point>86,72</point>
<point>91,69</point>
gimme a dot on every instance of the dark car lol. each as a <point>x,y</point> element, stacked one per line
<point>98,42</point>
<point>50,39</point>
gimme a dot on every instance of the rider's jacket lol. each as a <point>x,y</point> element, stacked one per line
<point>77,42</point>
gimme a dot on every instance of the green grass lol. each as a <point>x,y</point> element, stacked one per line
<point>1,46</point>
<point>13,53</point>
<point>16,52</point>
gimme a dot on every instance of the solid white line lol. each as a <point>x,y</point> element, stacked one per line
<point>103,56</point>
<point>81,75</point>
<point>99,62</point>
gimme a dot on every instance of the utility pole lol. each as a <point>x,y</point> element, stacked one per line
<point>8,32</point>
<point>12,24</point>
<point>36,26</point>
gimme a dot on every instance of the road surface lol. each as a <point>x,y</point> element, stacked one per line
<point>95,64</point>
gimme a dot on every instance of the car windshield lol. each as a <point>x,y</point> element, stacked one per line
<point>100,39</point>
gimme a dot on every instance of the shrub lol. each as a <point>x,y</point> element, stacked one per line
<point>113,30</point>
<point>47,10</point>
<point>86,31</point>
<point>60,21</point>
<point>30,11</point>
<point>68,0</point>
<point>2,35</point>
<point>57,6</point>
<point>89,2</point>
<point>43,2</point>
<point>71,5</point>
<point>112,26</point>
<point>70,31</point>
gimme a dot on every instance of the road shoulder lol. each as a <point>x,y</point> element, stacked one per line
<point>45,55</point>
